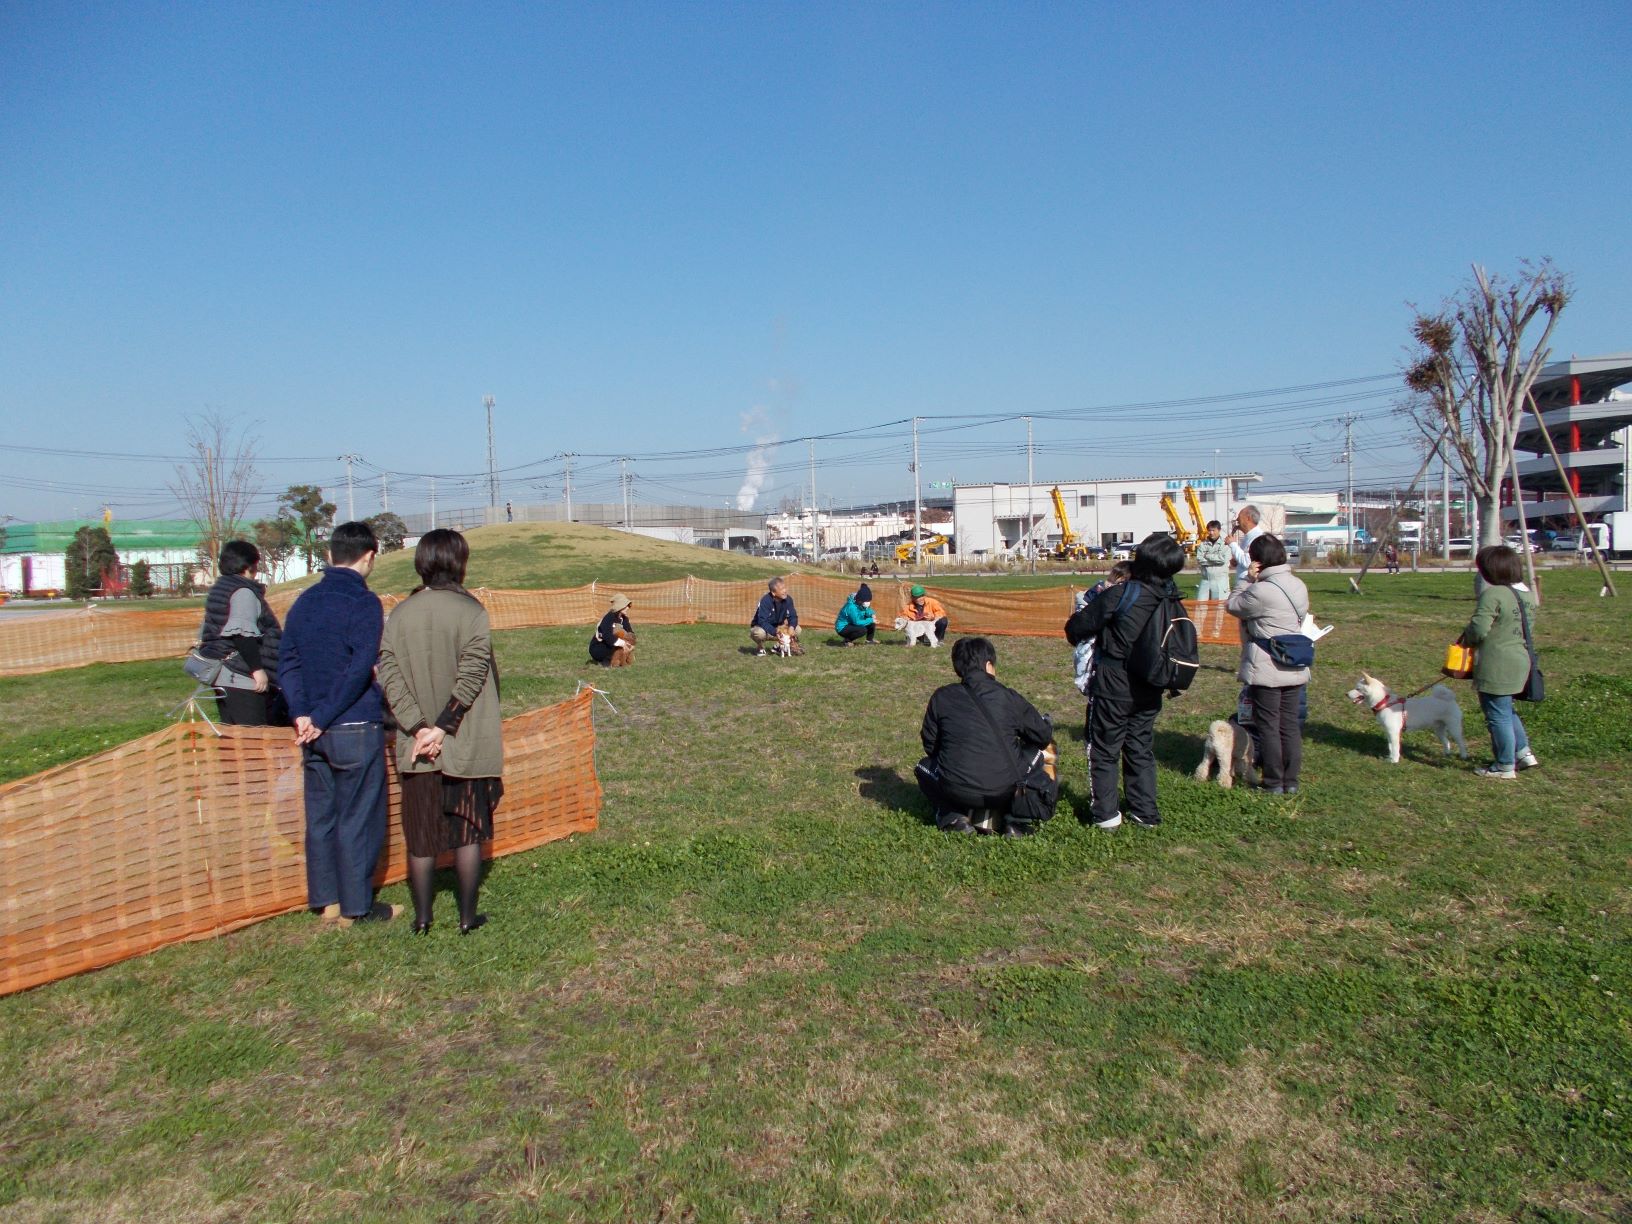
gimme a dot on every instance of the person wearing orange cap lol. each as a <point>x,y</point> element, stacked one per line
<point>921,606</point>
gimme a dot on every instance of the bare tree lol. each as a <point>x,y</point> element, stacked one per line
<point>1470,375</point>
<point>217,481</point>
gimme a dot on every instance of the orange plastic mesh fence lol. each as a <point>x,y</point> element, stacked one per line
<point>185,834</point>
<point>73,639</point>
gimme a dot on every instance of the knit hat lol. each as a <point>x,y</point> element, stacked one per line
<point>917,592</point>
<point>864,594</point>
<point>619,603</point>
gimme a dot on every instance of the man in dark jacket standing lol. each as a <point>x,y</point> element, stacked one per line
<point>326,671</point>
<point>974,734</point>
<point>1123,709</point>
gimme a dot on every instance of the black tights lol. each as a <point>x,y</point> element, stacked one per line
<point>467,867</point>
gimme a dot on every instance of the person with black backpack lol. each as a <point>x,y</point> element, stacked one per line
<point>1147,646</point>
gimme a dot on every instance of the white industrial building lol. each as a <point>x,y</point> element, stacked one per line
<point>997,519</point>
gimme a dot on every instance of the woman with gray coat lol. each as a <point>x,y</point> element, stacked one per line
<point>440,678</point>
<point>1273,601</point>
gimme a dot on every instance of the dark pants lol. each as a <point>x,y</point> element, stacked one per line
<point>1280,733</point>
<point>851,632</point>
<point>345,816</point>
<point>244,707</point>
<point>1121,732</point>
<point>952,801</point>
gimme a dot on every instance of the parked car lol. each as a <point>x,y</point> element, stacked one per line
<point>1565,543</point>
<point>1516,541</point>
<point>1458,544</point>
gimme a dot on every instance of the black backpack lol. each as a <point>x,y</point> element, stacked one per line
<point>1166,653</point>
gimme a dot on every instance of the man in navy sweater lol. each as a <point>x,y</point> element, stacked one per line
<point>326,672</point>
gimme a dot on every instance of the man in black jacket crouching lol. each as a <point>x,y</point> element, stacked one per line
<point>974,736</point>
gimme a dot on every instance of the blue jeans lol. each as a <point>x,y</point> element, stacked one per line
<point>1507,735</point>
<point>345,815</point>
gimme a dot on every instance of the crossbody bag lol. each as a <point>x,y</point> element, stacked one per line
<point>1289,650</point>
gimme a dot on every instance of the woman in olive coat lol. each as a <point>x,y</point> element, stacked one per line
<point>1501,668</point>
<point>440,678</point>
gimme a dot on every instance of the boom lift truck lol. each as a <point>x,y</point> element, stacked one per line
<point>1070,548</point>
<point>1181,533</point>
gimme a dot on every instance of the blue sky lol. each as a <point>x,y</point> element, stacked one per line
<point>636,225</point>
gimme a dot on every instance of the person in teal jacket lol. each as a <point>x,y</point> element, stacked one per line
<point>856,618</point>
<point>1501,667</point>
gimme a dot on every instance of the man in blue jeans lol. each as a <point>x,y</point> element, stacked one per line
<point>326,671</point>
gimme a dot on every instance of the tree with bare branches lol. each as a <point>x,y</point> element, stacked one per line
<point>1470,374</point>
<point>217,482</point>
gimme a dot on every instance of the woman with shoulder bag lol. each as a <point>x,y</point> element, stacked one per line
<point>1271,605</point>
<point>1502,666</point>
<point>440,678</point>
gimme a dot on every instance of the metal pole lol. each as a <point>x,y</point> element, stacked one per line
<point>492,474</point>
<point>623,483</point>
<point>385,492</point>
<point>815,510</point>
<point>351,494</point>
<point>1031,523</point>
<point>1348,455</point>
<point>1444,503</point>
<point>433,503</point>
<point>917,497</point>
<point>568,459</point>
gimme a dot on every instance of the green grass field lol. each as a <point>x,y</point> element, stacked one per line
<point>768,989</point>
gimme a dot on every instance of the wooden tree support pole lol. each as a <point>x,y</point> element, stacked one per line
<point>1524,527</point>
<point>1580,519</point>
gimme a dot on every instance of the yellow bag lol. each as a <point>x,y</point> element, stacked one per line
<point>1458,661</point>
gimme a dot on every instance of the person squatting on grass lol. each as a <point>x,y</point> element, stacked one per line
<point>606,643</point>
<point>241,631</point>
<point>1213,559</point>
<point>1122,708</point>
<point>1273,602</point>
<point>1082,655</point>
<point>1501,666</point>
<point>924,607</point>
<point>442,684</point>
<point>972,758</point>
<point>326,671</point>
<point>775,609</point>
<point>855,620</point>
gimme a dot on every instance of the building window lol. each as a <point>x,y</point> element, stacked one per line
<point>1204,496</point>
<point>1130,499</point>
<point>1127,536</point>
<point>1243,490</point>
<point>1085,500</point>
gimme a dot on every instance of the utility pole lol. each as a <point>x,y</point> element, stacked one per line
<point>1348,458</point>
<point>815,511</point>
<point>569,457</point>
<point>385,492</point>
<point>623,482</point>
<point>433,503</point>
<point>492,474</point>
<point>917,496</point>
<point>1031,525</point>
<point>351,493</point>
<point>1444,502</point>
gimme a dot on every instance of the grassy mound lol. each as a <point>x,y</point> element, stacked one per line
<point>530,556</point>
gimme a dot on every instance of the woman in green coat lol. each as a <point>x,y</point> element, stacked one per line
<point>1502,666</point>
<point>437,669</point>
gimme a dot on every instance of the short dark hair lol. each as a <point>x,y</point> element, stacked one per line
<point>1211,523</point>
<point>1159,556</point>
<point>1267,550</point>
<point>1122,569</point>
<point>1500,565</point>
<point>351,542</point>
<point>440,558</point>
<point>971,654</point>
<point>239,556</point>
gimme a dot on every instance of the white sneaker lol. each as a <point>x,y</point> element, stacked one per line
<point>1527,760</point>
<point>1492,771</point>
<point>760,653</point>
<point>1113,822</point>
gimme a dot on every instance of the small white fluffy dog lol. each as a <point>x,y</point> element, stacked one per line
<point>917,629</point>
<point>1436,709</point>
<point>1229,747</point>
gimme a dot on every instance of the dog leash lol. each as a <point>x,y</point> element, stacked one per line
<point>1392,700</point>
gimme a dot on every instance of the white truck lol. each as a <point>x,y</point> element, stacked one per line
<point>1613,536</point>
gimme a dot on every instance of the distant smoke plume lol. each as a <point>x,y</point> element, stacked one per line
<point>757,423</point>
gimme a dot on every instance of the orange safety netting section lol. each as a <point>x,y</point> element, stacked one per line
<point>73,639</point>
<point>185,834</point>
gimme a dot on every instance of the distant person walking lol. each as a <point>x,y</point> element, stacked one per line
<point>242,632</point>
<point>855,620</point>
<point>1501,668</point>
<point>442,683</point>
<point>1213,559</point>
<point>326,671</point>
<point>1272,603</point>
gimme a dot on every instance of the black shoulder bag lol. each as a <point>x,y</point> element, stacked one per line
<point>1035,792</point>
<point>1535,687</point>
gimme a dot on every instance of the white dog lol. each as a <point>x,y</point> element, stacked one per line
<point>917,629</point>
<point>1229,747</point>
<point>1436,709</point>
